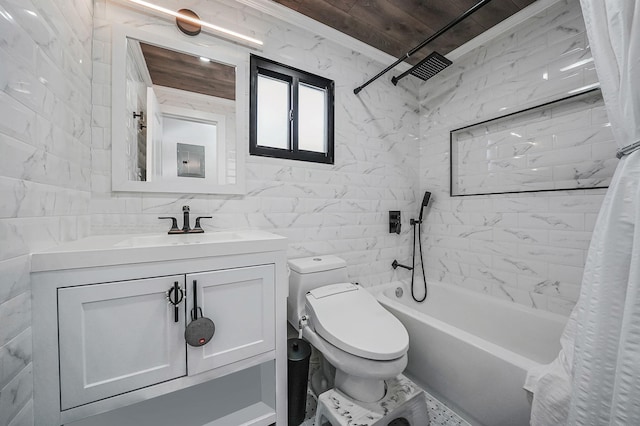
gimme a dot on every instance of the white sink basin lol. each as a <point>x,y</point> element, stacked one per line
<point>178,239</point>
<point>108,250</point>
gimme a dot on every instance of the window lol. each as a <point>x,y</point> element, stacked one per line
<point>291,113</point>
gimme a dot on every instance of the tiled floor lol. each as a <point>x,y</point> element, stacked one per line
<point>439,414</point>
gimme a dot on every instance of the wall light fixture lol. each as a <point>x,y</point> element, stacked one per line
<point>189,20</point>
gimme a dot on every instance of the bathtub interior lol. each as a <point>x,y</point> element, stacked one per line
<point>529,332</point>
<point>472,351</point>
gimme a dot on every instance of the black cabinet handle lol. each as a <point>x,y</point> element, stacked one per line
<point>175,295</point>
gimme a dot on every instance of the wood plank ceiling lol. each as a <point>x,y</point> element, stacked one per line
<point>393,26</point>
<point>397,26</point>
<point>186,72</point>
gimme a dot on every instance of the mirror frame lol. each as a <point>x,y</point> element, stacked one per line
<point>232,55</point>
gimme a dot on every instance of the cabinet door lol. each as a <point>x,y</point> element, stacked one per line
<point>118,337</point>
<point>240,302</point>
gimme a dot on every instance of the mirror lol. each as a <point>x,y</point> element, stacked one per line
<point>175,109</point>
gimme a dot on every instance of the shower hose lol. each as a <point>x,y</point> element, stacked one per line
<point>413,261</point>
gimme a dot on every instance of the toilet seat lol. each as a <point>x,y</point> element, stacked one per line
<point>351,319</point>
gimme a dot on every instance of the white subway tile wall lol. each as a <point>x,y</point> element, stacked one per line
<point>531,247</point>
<point>340,209</point>
<point>550,147</point>
<point>45,143</point>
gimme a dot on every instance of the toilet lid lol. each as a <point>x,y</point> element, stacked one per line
<point>351,319</point>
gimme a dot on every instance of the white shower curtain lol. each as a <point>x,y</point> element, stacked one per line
<point>596,378</point>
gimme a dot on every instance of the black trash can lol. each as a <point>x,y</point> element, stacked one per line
<point>298,354</point>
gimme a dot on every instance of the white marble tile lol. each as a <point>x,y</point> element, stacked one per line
<point>24,417</point>
<point>15,40</point>
<point>481,259</point>
<point>555,49</point>
<point>15,277</point>
<point>553,254</point>
<point>551,19</point>
<point>15,316</point>
<point>558,289</point>
<point>498,248</point>
<point>45,106</point>
<point>15,356</point>
<point>493,276</point>
<point>520,203</point>
<point>44,180</point>
<point>22,85</point>
<point>521,235</point>
<point>15,395</point>
<point>16,120</point>
<point>481,286</point>
<point>590,221</point>
<point>566,273</point>
<point>513,294</point>
<point>561,221</point>
<point>578,203</point>
<point>521,266</point>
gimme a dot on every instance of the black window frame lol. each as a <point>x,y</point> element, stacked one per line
<point>266,67</point>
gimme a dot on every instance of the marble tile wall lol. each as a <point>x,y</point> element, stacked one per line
<point>529,248</point>
<point>45,141</point>
<point>566,145</point>
<point>340,209</point>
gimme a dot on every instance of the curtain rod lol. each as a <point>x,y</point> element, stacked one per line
<point>424,43</point>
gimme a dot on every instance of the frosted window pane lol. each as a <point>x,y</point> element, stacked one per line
<point>273,113</point>
<point>312,120</point>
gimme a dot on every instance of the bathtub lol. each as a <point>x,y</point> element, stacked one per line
<point>472,351</point>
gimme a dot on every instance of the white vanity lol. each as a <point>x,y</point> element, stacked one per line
<point>110,347</point>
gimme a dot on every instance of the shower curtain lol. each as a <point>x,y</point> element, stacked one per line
<point>596,378</point>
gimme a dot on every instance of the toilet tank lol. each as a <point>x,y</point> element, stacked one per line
<point>308,273</point>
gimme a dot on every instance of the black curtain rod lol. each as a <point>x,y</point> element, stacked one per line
<point>424,43</point>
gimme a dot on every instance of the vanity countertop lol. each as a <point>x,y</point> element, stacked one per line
<point>109,250</point>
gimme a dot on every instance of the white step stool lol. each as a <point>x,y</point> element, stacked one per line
<point>404,404</point>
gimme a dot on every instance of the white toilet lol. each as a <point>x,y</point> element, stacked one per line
<point>355,334</point>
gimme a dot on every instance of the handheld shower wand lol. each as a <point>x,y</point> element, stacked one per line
<point>414,222</point>
<point>425,202</point>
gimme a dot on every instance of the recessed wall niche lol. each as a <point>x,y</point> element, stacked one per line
<point>560,145</point>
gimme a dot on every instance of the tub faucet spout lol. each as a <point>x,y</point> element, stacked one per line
<point>395,265</point>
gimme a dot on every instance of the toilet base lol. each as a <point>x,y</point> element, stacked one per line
<point>359,389</point>
<point>404,404</point>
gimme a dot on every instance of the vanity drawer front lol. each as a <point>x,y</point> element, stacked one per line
<point>241,303</point>
<point>118,337</point>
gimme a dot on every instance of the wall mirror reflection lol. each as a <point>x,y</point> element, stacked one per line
<point>175,117</point>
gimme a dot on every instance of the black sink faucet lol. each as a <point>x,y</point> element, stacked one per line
<point>186,228</point>
<point>185,221</point>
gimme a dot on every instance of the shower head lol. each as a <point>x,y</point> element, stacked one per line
<point>426,68</point>
<point>425,202</point>
<point>430,66</point>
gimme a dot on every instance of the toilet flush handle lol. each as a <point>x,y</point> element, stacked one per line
<point>301,323</point>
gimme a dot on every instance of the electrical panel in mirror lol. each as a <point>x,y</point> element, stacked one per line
<point>176,110</point>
